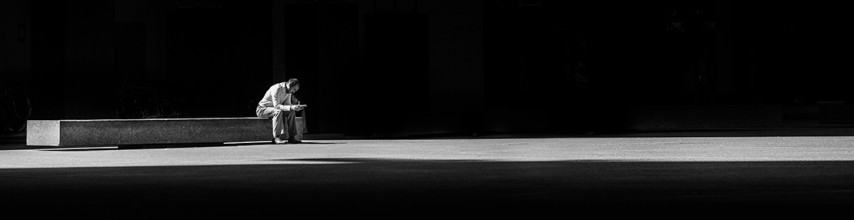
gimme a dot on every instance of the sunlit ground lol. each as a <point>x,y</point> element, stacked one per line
<point>669,149</point>
<point>477,175</point>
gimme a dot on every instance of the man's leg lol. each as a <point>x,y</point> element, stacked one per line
<point>292,130</point>
<point>276,115</point>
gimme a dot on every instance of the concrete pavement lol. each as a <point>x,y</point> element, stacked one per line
<point>662,176</point>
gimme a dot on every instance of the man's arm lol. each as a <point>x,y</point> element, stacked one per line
<point>276,101</point>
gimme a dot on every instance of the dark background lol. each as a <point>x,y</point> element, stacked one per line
<point>388,68</point>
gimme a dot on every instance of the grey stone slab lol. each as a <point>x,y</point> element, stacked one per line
<point>109,132</point>
<point>43,132</point>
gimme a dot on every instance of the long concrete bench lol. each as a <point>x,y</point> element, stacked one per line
<point>130,132</point>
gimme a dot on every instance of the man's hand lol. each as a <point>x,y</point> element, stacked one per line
<point>299,107</point>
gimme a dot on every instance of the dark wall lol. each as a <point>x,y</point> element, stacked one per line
<point>792,50</point>
<point>218,59</point>
<point>16,37</point>
<point>421,67</point>
<point>384,67</point>
<point>321,48</point>
<point>132,59</point>
<point>721,53</point>
<point>89,58</point>
<point>72,59</point>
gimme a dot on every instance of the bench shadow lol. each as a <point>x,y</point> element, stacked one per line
<point>82,149</point>
<point>320,142</point>
<point>137,147</point>
<point>168,146</point>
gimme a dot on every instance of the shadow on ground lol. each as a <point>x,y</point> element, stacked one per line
<point>437,188</point>
<point>150,146</point>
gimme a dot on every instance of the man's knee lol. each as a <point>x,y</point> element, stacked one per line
<point>289,115</point>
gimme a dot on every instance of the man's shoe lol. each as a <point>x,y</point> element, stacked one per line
<point>279,141</point>
<point>293,141</point>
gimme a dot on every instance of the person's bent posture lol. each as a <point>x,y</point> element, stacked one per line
<point>280,104</point>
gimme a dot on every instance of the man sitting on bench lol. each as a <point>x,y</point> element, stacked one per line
<point>280,104</point>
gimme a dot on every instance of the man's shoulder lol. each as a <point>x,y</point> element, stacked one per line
<point>276,86</point>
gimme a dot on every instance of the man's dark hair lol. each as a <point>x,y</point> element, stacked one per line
<point>293,82</point>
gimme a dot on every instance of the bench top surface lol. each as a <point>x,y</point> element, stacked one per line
<point>156,119</point>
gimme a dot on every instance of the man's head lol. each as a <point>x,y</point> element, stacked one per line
<point>293,85</point>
